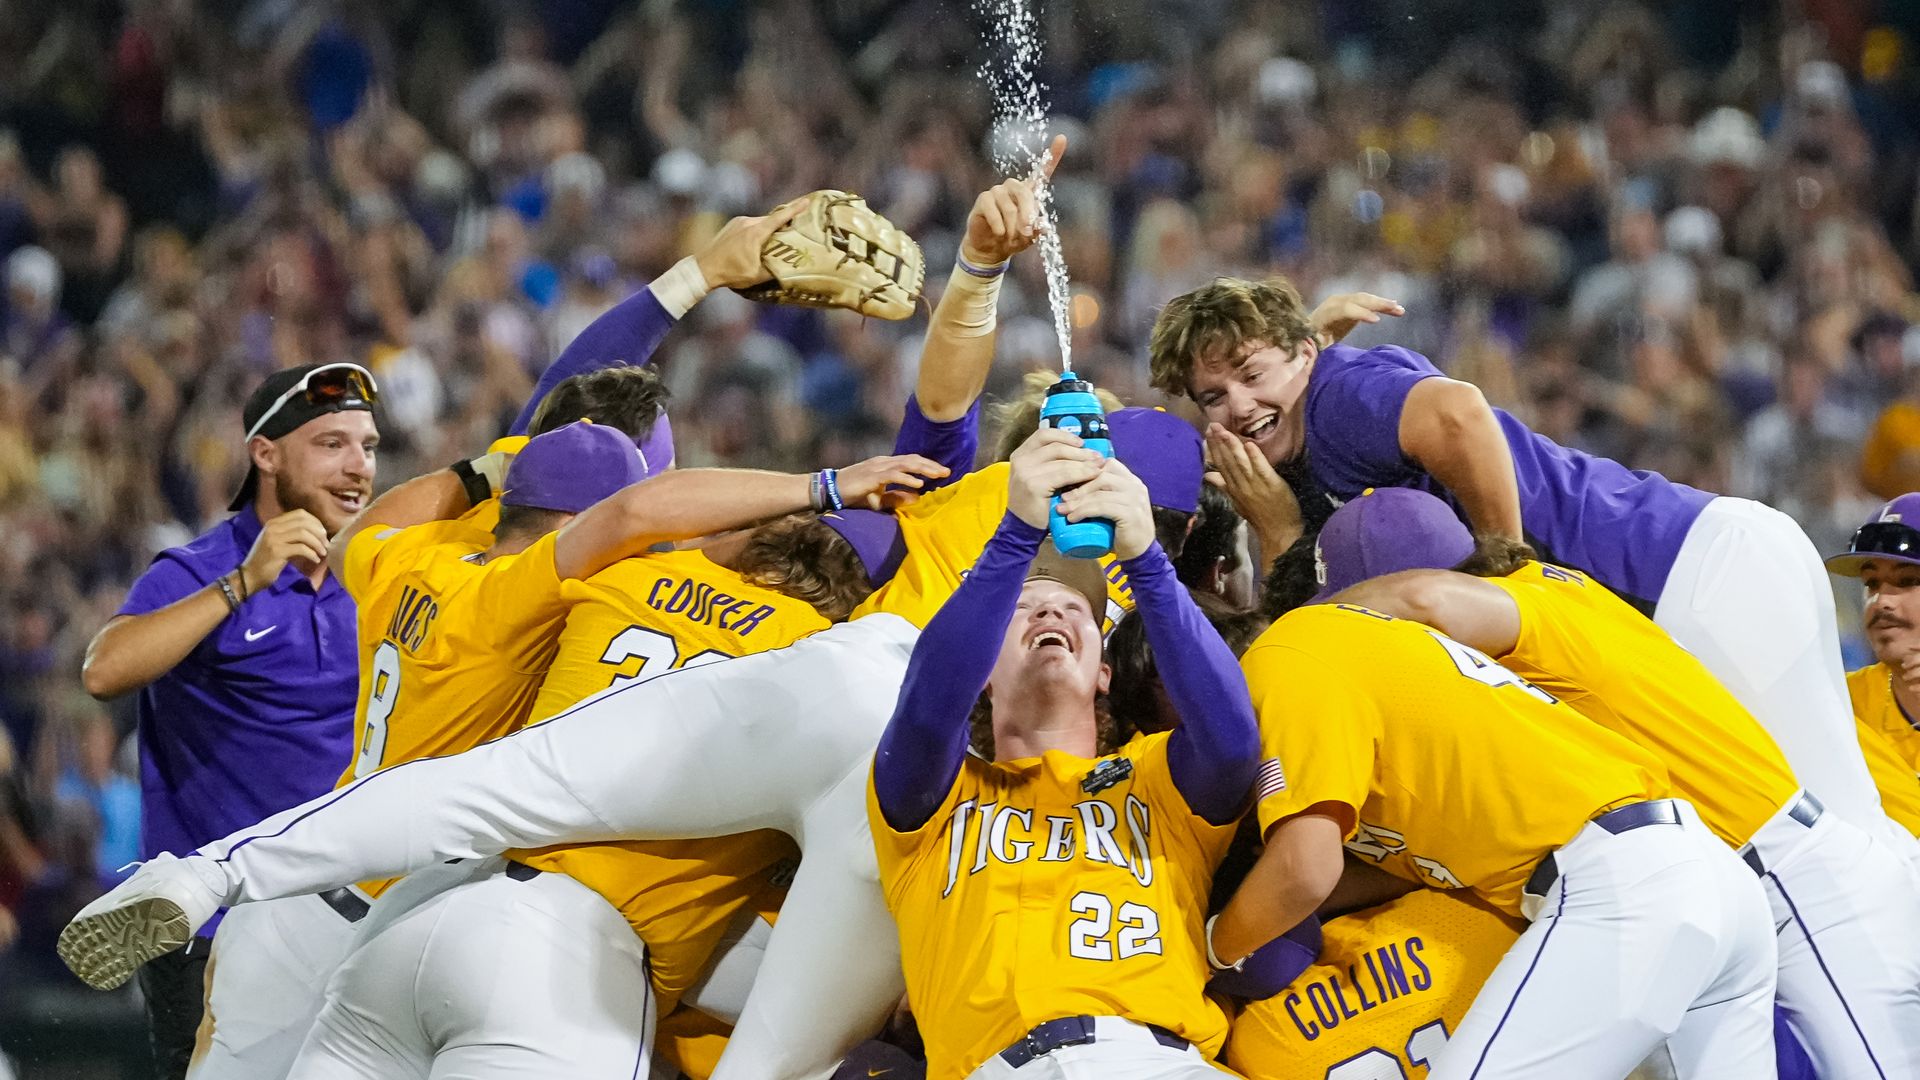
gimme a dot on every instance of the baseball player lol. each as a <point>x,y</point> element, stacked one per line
<point>1885,556</point>
<point>1050,900</point>
<point>1842,899</point>
<point>1645,926</point>
<point>1342,420</point>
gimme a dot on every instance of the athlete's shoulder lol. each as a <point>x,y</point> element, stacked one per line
<point>984,488</point>
<point>1864,685</point>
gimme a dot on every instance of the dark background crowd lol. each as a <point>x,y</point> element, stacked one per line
<point>1682,234</point>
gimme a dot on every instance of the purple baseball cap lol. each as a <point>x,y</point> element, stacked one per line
<point>1893,535</point>
<point>1384,531</point>
<point>1163,451</point>
<point>876,539</point>
<point>571,468</point>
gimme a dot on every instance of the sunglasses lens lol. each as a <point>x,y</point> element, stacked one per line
<point>1887,538</point>
<point>340,384</point>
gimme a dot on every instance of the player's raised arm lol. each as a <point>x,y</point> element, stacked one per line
<point>1215,751</point>
<point>689,503</point>
<point>942,418</point>
<point>926,740</point>
<point>631,330</point>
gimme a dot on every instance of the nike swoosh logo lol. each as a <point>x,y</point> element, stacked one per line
<point>256,635</point>
<point>878,1072</point>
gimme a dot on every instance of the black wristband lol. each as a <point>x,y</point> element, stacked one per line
<point>478,488</point>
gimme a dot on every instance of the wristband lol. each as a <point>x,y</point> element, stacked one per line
<point>477,487</point>
<point>830,485</point>
<point>240,579</point>
<point>1213,961</point>
<point>814,498</point>
<point>226,590</point>
<point>960,262</point>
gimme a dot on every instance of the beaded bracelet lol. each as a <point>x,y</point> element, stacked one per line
<point>226,590</point>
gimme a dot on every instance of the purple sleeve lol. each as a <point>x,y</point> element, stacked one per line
<point>627,334</point>
<point>1215,751</point>
<point>1354,401</point>
<point>926,740</point>
<point>167,581</point>
<point>953,443</point>
<point>1272,967</point>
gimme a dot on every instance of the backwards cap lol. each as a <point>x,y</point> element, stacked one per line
<point>1384,531</point>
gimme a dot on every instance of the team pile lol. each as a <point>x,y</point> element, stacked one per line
<point>1527,765</point>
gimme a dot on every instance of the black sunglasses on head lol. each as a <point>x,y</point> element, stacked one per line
<point>1886,538</point>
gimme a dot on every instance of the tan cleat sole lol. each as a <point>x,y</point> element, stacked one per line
<point>106,949</point>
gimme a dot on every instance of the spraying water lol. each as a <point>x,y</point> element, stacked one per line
<point>1021,145</point>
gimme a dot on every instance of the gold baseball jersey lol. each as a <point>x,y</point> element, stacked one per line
<point>1890,743</point>
<point>1443,767</point>
<point>944,532</point>
<point>1048,887</point>
<point>633,621</point>
<point>452,649</point>
<point>1586,646</point>
<point>1391,986</point>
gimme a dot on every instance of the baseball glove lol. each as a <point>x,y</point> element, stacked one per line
<point>839,253</point>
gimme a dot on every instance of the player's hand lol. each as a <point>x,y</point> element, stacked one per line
<point>866,484</point>
<point>1005,220</point>
<point>732,259</point>
<point>1120,497</point>
<point>1907,670</point>
<point>1337,315</point>
<point>295,534</point>
<point>1047,462</point>
<point>1260,494</point>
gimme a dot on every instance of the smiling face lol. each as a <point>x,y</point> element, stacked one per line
<point>1052,649</point>
<point>1893,608</point>
<point>324,467</point>
<point>1258,392</point>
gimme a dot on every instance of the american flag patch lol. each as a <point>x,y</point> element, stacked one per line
<point>1272,779</point>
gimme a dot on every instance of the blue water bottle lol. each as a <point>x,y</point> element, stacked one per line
<point>1071,407</point>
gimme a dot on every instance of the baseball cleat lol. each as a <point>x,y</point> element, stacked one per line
<point>150,914</point>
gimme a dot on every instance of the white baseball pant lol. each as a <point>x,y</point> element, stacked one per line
<point>1848,927</point>
<point>266,980</point>
<point>1120,1050</point>
<point>483,974</point>
<point>780,740</point>
<point>1658,934</point>
<point>1749,596</point>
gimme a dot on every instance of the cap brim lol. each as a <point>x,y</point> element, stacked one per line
<point>247,488</point>
<point>1849,565</point>
<point>1083,576</point>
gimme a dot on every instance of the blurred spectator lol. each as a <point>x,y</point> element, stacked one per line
<point>1890,460</point>
<point>85,226</point>
<point>94,784</point>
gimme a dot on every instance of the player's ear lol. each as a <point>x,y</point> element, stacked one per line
<point>264,453</point>
<point>1106,677</point>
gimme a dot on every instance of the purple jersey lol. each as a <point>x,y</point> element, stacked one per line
<point>1622,526</point>
<point>259,716</point>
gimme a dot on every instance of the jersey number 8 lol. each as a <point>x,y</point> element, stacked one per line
<point>383,693</point>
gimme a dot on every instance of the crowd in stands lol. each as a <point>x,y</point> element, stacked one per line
<point>1682,234</point>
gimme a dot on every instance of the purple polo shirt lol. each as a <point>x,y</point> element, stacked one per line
<point>259,716</point>
<point>1622,526</point>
